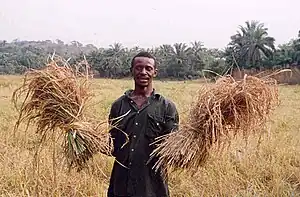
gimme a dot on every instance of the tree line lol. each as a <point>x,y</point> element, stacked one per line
<point>250,48</point>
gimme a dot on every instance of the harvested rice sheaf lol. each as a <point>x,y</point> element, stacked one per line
<point>54,96</point>
<point>83,140</point>
<point>219,113</point>
<point>55,99</point>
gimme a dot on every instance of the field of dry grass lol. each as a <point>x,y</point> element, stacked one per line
<point>267,166</point>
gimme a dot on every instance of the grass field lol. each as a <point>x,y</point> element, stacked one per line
<point>267,166</point>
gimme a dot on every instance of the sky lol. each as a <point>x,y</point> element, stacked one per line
<point>144,23</point>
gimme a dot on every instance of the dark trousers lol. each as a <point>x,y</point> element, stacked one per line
<point>110,194</point>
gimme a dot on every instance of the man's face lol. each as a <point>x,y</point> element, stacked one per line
<point>143,71</point>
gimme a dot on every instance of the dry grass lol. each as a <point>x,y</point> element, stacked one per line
<point>218,114</point>
<point>266,167</point>
<point>54,99</point>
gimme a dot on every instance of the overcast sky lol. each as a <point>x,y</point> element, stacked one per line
<point>144,23</point>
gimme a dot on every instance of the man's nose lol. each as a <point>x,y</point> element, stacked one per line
<point>143,71</point>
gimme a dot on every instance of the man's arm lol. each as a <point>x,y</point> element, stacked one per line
<point>111,122</point>
<point>172,118</point>
<point>112,119</point>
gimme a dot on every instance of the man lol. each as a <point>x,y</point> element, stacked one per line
<point>146,115</point>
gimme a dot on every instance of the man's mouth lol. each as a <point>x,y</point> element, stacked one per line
<point>143,79</point>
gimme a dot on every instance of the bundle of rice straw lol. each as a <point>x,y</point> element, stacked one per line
<point>219,113</point>
<point>55,100</point>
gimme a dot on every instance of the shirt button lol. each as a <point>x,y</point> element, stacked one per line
<point>130,163</point>
<point>132,150</point>
<point>134,136</point>
<point>136,123</point>
<point>138,112</point>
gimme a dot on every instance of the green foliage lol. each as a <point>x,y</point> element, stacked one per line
<point>250,47</point>
<point>286,55</point>
<point>178,61</point>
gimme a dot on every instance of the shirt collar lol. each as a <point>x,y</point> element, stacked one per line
<point>154,94</point>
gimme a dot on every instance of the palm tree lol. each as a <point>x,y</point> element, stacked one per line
<point>2,43</point>
<point>296,49</point>
<point>197,55</point>
<point>179,53</point>
<point>252,43</point>
<point>112,59</point>
<point>177,59</point>
<point>115,49</point>
<point>196,47</point>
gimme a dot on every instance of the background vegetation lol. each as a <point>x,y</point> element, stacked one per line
<point>250,48</point>
<point>268,166</point>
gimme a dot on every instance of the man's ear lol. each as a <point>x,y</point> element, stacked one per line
<point>155,72</point>
<point>131,71</point>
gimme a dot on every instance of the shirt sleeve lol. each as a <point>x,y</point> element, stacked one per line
<point>112,119</point>
<point>172,118</point>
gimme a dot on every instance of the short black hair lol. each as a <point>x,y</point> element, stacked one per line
<point>144,54</point>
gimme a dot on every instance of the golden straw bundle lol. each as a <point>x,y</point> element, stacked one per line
<point>55,100</point>
<point>219,113</point>
<point>83,140</point>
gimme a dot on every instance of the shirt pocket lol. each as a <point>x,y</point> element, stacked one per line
<point>155,127</point>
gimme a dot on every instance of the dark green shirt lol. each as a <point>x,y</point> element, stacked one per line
<point>132,174</point>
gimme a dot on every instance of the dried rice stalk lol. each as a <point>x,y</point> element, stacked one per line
<point>55,100</point>
<point>219,113</point>
<point>83,140</point>
<point>54,96</point>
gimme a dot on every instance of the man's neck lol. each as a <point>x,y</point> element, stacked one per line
<point>143,91</point>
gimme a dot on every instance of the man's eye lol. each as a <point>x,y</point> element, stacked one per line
<point>138,68</point>
<point>149,68</point>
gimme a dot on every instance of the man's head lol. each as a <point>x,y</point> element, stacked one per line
<point>143,68</point>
